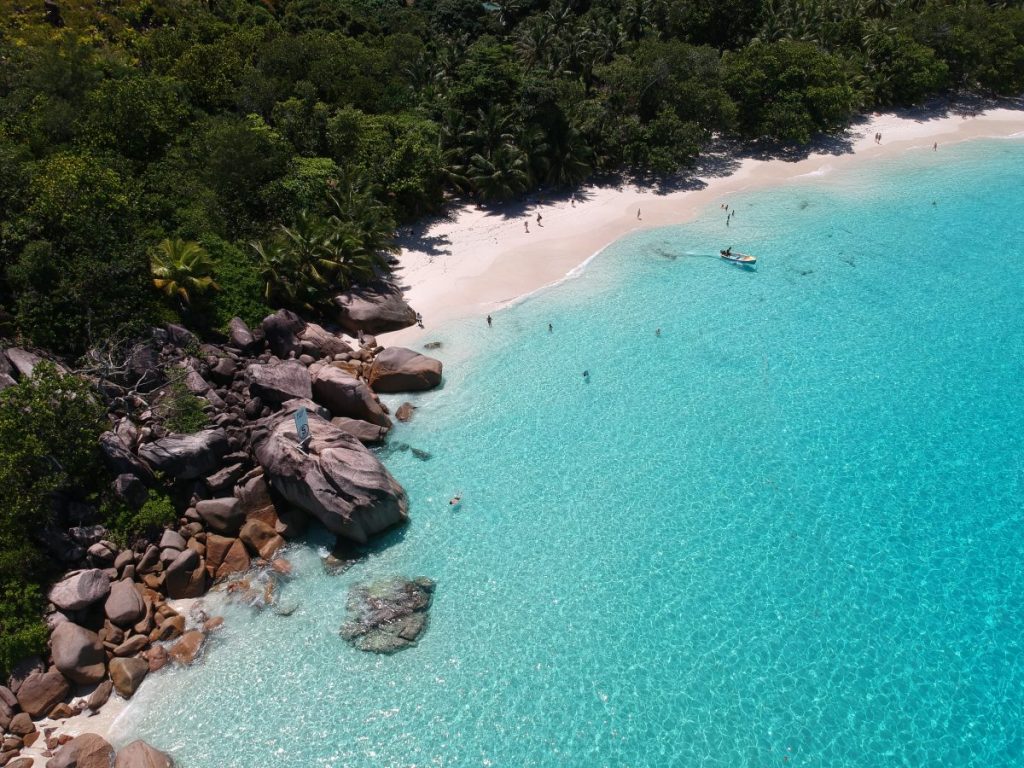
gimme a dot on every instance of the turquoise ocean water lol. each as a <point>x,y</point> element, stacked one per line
<point>788,531</point>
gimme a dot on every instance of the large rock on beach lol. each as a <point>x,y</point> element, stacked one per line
<point>186,457</point>
<point>317,341</point>
<point>139,754</point>
<point>128,674</point>
<point>389,615</point>
<point>281,331</point>
<point>364,431</point>
<point>187,647</point>
<point>42,691</point>
<point>86,751</point>
<point>225,556</point>
<point>345,395</point>
<point>224,515</point>
<point>186,575</point>
<point>397,369</point>
<point>240,336</point>
<point>124,605</point>
<point>276,384</point>
<point>376,309</point>
<point>80,589</point>
<point>260,538</point>
<point>78,654</point>
<point>338,480</point>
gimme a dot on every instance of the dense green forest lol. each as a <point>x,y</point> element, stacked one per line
<point>249,155</point>
<point>186,161</point>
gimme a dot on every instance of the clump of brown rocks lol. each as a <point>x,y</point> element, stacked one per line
<point>245,486</point>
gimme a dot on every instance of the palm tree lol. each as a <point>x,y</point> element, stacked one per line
<point>502,176</point>
<point>570,159</point>
<point>181,269</point>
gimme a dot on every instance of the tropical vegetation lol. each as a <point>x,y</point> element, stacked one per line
<point>175,159</point>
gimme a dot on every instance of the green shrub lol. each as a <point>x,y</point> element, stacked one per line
<point>182,411</point>
<point>237,272</point>
<point>22,629</point>
<point>125,524</point>
<point>49,425</point>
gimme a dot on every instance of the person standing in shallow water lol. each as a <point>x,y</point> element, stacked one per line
<point>489,321</point>
<point>551,328</point>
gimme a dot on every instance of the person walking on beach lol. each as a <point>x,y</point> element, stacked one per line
<point>935,147</point>
<point>539,217</point>
<point>488,321</point>
<point>526,224</point>
<point>638,213</point>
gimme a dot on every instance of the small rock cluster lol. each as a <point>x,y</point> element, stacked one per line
<point>249,486</point>
<point>387,616</point>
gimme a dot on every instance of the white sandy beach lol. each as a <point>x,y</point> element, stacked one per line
<point>477,261</point>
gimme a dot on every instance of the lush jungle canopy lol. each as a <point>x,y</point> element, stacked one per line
<point>255,154</point>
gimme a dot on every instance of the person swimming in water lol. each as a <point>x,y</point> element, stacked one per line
<point>455,500</point>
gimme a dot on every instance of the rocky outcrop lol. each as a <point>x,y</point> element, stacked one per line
<point>260,538</point>
<point>318,342</point>
<point>186,575</point>
<point>405,412</point>
<point>240,336</point>
<point>23,361</point>
<point>124,605</point>
<point>187,647</point>
<point>186,457</point>
<point>281,330</point>
<point>128,674</point>
<point>120,460</point>
<point>397,369</point>
<point>338,481</point>
<point>225,556</point>
<point>139,754</point>
<point>345,395</point>
<point>80,589</point>
<point>276,384</point>
<point>78,654</point>
<point>223,516</point>
<point>376,309</point>
<point>42,691</point>
<point>387,616</point>
<point>86,751</point>
<point>364,431</point>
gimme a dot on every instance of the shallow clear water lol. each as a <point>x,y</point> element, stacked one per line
<point>789,530</point>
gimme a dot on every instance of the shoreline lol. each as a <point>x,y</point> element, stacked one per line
<point>477,261</point>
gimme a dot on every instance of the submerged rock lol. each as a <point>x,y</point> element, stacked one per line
<point>389,615</point>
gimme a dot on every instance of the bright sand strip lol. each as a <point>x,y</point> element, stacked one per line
<point>483,260</point>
